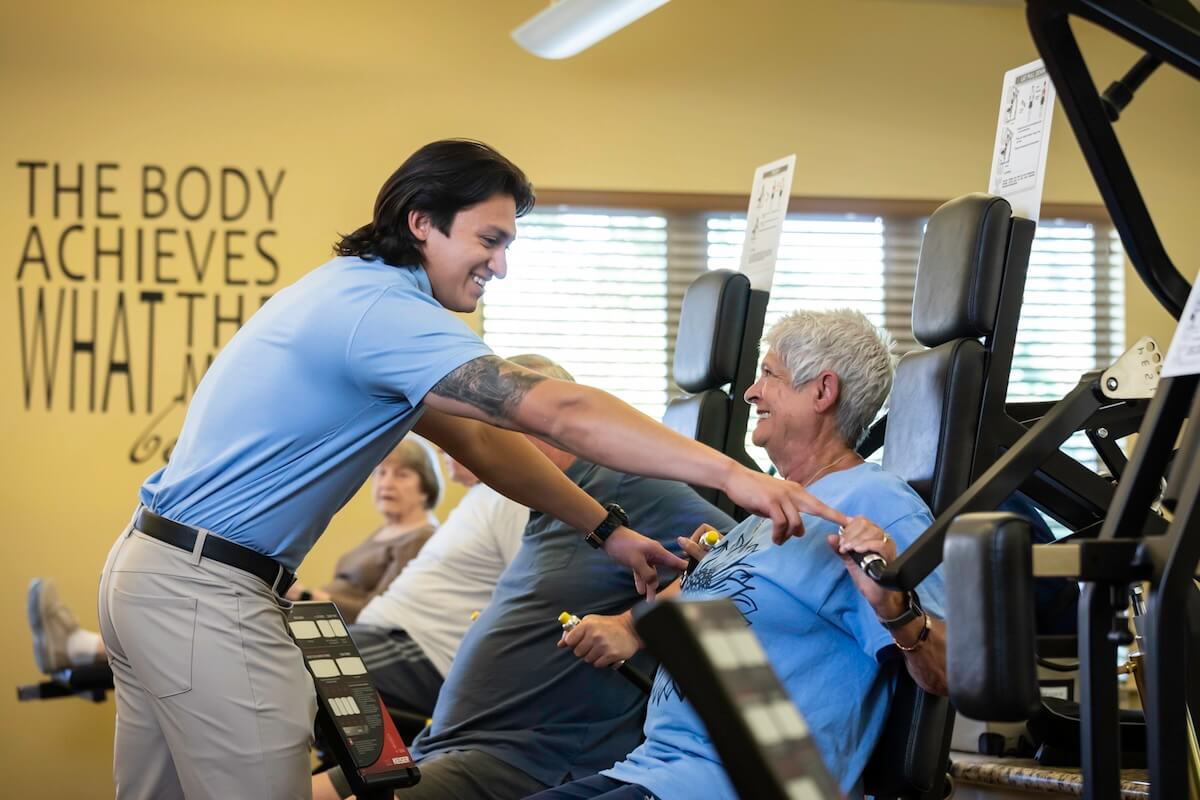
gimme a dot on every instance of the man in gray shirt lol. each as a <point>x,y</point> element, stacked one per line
<point>516,713</point>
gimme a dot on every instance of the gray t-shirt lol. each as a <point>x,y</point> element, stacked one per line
<point>511,692</point>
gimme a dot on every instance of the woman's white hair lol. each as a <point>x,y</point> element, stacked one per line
<point>844,342</point>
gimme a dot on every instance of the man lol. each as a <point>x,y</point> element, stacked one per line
<point>517,714</point>
<point>212,696</point>
<point>834,636</point>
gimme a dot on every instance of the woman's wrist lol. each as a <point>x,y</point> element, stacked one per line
<point>891,605</point>
<point>911,637</point>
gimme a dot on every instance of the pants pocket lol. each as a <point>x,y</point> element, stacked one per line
<point>158,636</point>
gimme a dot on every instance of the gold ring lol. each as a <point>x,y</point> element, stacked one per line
<point>885,537</point>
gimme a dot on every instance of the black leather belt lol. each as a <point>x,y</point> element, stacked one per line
<point>230,553</point>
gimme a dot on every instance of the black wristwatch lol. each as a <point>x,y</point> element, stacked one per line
<point>615,519</point>
<point>913,611</point>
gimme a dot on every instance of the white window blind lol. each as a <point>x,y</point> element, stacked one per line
<point>824,262</point>
<point>599,290</point>
<point>1072,320</point>
<point>588,290</point>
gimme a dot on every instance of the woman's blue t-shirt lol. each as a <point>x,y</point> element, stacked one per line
<point>821,637</point>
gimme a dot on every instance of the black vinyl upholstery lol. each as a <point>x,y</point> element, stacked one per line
<point>711,322</point>
<point>927,446</point>
<point>906,762</point>
<point>961,269</point>
<point>708,349</point>
<point>990,658</point>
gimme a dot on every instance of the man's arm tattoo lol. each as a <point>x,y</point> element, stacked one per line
<point>490,384</point>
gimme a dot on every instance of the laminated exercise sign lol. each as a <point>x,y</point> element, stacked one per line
<point>1183,357</point>
<point>1023,138</point>
<point>764,220</point>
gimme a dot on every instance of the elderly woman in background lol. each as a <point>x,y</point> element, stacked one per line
<point>405,487</point>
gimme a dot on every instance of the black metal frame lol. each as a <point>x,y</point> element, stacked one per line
<point>1017,445</point>
<point>1167,31</point>
<point>1133,545</point>
<point>1162,34</point>
<point>91,683</point>
<point>1172,558</point>
<point>1031,463</point>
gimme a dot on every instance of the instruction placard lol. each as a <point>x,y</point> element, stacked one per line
<point>1183,357</point>
<point>1023,138</point>
<point>764,220</point>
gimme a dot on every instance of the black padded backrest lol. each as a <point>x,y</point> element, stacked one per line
<point>711,323</point>
<point>960,270</point>
<point>703,417</point>
<point>933,420</point>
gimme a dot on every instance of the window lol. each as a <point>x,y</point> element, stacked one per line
<point>588,290</point>
<point>1073,318</point>
<point>809,246</point>
<point>597,285</point>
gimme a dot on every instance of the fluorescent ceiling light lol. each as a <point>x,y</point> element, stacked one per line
<point>570,26</point>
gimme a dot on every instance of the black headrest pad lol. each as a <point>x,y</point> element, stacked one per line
<point>711,324</point>
<point>960,269</point>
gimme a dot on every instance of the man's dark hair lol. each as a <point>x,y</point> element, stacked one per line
<point>441,179</point>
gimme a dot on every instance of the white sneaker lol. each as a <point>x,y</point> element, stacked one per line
<point>52,624</point>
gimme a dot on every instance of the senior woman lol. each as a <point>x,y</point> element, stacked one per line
<point>835,638</point>
<point>405,487</point>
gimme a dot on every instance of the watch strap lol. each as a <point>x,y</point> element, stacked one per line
<point>616,518</point>
<point>912,611</point>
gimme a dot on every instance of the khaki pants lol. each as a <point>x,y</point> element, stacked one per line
<point>213,699</point>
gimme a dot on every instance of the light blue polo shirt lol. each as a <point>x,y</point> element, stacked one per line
<point>304,401</point>
<point>820,635</point>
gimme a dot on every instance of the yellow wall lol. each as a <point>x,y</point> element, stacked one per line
<point>888,99</point>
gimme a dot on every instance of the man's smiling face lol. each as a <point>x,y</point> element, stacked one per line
<point>459,263</point>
